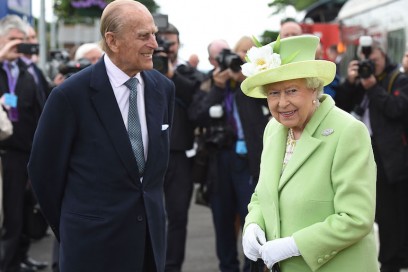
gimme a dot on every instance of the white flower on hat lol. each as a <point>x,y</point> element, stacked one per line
<point>260,59</point>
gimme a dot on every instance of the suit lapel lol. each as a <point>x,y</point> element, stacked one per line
<point>154,105</point>
<point>108,111</point>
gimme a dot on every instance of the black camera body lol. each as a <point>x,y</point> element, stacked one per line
<point>28,48</point>
<point>160,62</point>
<point>71,67</point>
<point>366,67</point>
<point>227,59</point>
<point>219,134</point>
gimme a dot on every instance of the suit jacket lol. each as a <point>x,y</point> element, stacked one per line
<point>325,197</point>
<point>86,178</point>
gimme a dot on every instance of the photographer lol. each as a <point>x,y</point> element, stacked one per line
<point>234,125</point>
<point>178,185</point>
<point>376,92</point>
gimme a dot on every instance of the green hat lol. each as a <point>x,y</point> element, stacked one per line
<point>286,59</point>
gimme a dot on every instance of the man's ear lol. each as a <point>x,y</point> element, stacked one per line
<point>111,41</point>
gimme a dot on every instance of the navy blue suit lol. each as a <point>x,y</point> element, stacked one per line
<point>86,178</point>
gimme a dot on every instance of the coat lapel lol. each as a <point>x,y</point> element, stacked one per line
<point>154,105</point>
<point>308,143</point>
<point>108,111</point>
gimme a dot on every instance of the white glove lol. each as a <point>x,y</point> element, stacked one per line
<point>253,239</point>
<point>277,250</point>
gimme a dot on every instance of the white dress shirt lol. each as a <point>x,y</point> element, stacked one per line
<point>117,79</point>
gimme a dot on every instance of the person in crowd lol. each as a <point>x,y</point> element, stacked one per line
<point>101,151</point>
<point>314,205</point>
<point>24,102</point>
<point>290,27</point>
<point>378,96</point>
<point>6,130</point>
<point>234,125</point>
<point>89,51</point>
<point>330,89</point>
<point>404,63</point>
<point>193,60</point>
<point>334,56</point>
<point>44,88</point>
<point>178,184</point>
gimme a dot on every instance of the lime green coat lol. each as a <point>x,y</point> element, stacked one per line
<point>325,198</point>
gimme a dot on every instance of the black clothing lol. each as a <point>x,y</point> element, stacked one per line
<point>232,171</point>
<point>16,151</point>
<point>387,103</point>
<point>178,185</point>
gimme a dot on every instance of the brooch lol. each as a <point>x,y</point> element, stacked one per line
<point>327,131</point>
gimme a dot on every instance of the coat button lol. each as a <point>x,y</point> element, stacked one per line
<point>140,218</point>
<point>326,256</point>
<point>320,260</point>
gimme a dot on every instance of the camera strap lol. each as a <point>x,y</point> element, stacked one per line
<point>393,77</point>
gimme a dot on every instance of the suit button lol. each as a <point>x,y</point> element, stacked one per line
<point>334,253</point>
<point>327,256</point>
<point>320,260</point>
<point>140,218</point>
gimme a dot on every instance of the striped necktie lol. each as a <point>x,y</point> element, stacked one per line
<point>134,129</point>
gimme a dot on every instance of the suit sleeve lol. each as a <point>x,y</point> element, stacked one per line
<point>48,165</point>
<point>354,183</point>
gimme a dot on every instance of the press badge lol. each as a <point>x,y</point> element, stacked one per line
<point>10,100</point>
<point>241,148</point>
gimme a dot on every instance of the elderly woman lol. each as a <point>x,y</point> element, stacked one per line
<point>313,208</point>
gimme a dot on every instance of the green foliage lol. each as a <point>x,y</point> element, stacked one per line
<point>299,5</point>
<point>65,10</point>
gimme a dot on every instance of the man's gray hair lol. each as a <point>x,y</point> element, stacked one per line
<point>10,22</point>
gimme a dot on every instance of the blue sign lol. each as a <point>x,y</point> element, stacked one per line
<point>20,6</point>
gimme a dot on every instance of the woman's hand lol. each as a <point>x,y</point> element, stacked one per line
<point>278,250</point>
<point>253,239</point>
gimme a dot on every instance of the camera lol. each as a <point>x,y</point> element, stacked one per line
<point>28,48</point>
<point>366,67</point>
<point>161,62</point>
<point>71,67</point>
<point>219,135</point>
<point>227,59</point>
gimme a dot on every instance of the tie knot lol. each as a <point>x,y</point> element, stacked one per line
<point>132,83</point>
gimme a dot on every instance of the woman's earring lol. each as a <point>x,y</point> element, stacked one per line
<point>314,101</point>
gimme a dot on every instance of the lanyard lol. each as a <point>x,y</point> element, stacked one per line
<point>12,81</point>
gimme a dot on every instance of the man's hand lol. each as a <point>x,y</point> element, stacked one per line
<point>8,51</point>
<point>221,77</point>
<point>253,239</point>
<point>352,71</point>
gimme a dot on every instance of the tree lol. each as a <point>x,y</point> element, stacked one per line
<point>79,11</point>
<point>279,5</point>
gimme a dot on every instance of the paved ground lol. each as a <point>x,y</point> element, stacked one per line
<point>200,251</point>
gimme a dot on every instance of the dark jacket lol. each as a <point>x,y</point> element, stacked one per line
<point>253,113</point>
<point>388,112</point>
<point>86,178</point>
<point>30,103</point>
<point>186,83</point>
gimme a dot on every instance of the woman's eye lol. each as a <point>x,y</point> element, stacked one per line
<point>273,93</point>
<point>291,91</point>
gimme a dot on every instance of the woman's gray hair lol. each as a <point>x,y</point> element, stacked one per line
<point>315,83</point>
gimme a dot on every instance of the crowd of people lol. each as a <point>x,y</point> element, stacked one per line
<point>296,158</point>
